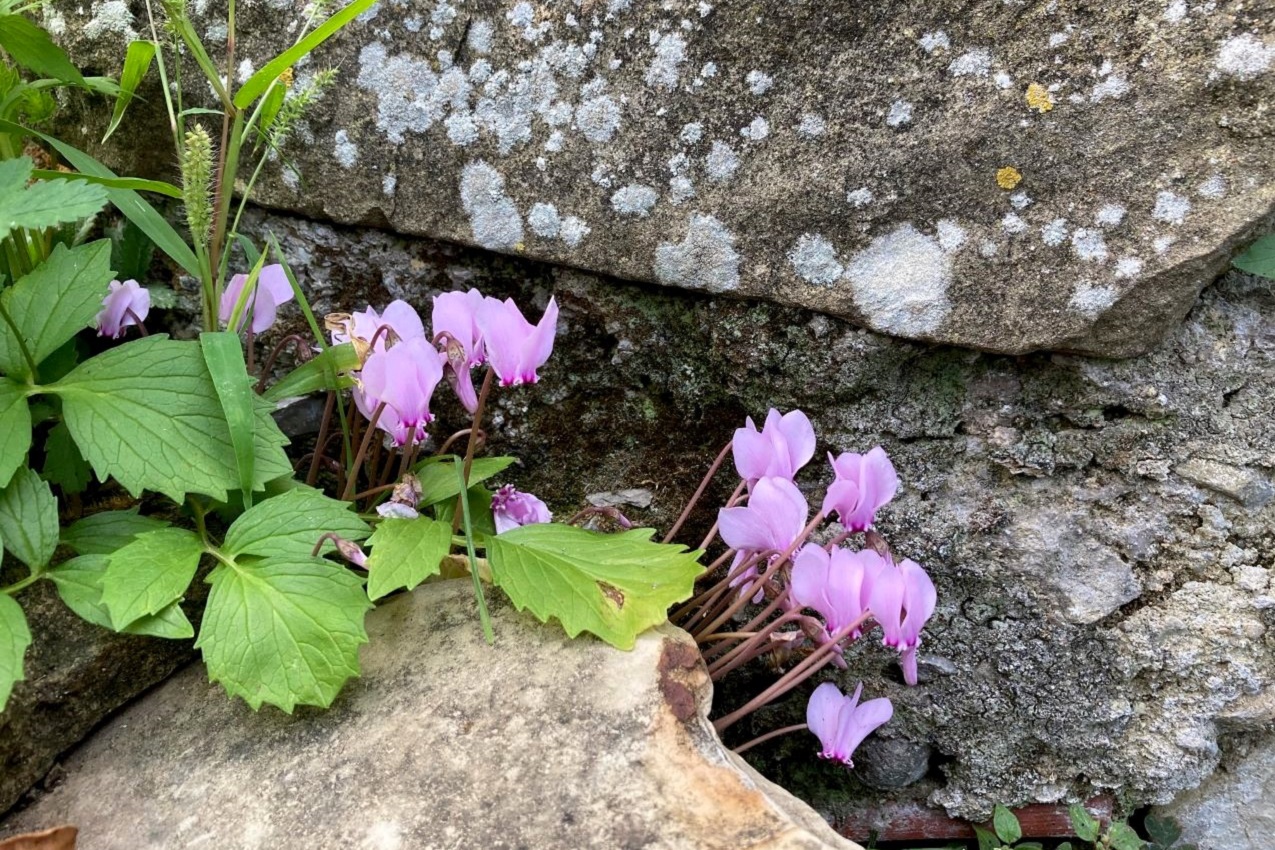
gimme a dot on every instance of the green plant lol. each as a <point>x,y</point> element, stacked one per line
<point>1258,258</point>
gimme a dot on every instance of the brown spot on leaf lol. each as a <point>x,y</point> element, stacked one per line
<point>613,593</point>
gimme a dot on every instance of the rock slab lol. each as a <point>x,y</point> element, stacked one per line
<point>1006,176</point>
<point>1235,808</point>
<point>446,742</point>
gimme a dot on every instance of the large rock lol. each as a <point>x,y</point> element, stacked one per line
<point>77,674</point>
<point>1235,808</point>
<point>538,741</point>
<point>1006,176</point>
<point>1103,563</point>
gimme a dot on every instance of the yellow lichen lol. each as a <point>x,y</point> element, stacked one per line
<point>1038,98</point>
<point>1008,177</point>
<point>286,78</point>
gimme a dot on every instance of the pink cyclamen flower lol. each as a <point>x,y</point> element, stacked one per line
<point>456,315</point>
<point>272,290</point>
<point>784,445</point>
<point>837,584</point>
<point>516,348</point>
<point>773,518</point>
<point>841,723</point>
<point>902,599</point>
<point>512,509</point>
<point>403,377</point>
<point>863,484</point>
<point>400,320</point>
<point>126,304</point>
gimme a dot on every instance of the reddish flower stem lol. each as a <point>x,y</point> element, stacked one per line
<point>740,653</point>
<point>320,444</point>
<point>352,481</point>
<point>761,739</point>
<point>472,444</point>
<point>699,492</point>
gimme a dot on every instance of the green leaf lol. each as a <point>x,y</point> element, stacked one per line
<point>289,526</point>
<point>284,630</point>
<point>29,519</point>
<point>15,428</point>
<point>1124,838</point>
<point>986,840</point>
<point>270,108</point>
<point>1007,828</point>
<point>613,585</point>
<point>15,637</point>
<point>1259,259</point>
<point>79,583</point>
<point>1029,845</point>
<point>131,255</point>
<point>1085,825</point>
<point>44,203</point>
<point>128,202</point>
<point>325,371</point>
<point>404,553</point>
<point>223,353</point>
<point>1066,845</point>
<point>30,46</point>
<point>146,412</point>
<point>1162,830</point>
<point>149,574</point>
<point>260,81</point>
<point>137,61</point>
<point>483,522</point>
<point>102,534</point>
<point>136,184</point>
<point>54,303</point>
<point>63,464</point>
<point>438,476</point>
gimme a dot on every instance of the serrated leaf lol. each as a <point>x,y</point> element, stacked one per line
<point>149,574</point>
<point>146,412</point>
<point>1124,838</point>
<point>291,524</point>
<point>128,202</point>
<point>1162,830</point>
<point>613,585</point>
<point>103,533</point>
<point>1085,825</point>
<point>1259,258</point>
<point>283,630</point>
<point>137,61</point>
<point>63,464</point>
<point>46,203</point>
<point>29,518</point>
<point>438,476</point>
<point>325,371</point>
<point>79,584</point>
<point>15,428</point>
<point>1006,824</point>
<point>54,303</point>
<point>986,839</point>
<point>30,46</point>
<point>404,553</point>
<point>223,354</point>
<point>15,637</point>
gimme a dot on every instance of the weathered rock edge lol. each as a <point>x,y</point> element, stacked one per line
<point>1009,177</point>
<point>538,742</point>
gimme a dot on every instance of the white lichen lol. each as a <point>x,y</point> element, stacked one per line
<point>634,199</point>
<point>1092,300</point>
<point>721,163</point>
<point>461,129</point>
<point>1003,80</point>
<point>900,282</point>
<point>1244,57</point>
<point>1089,245</point>
<point>811,126</point>
<point>1175,12</point>
<point>670,53</point>
<point>1110,215</point>
<point>705,258</point>
<point>1162,244</point>
<point>112,17</point>
<point>759,82</point>
<point>544,221</point>
<point>860,197</point>
<point>598,118</point>
<point>900,113</point>
<point>815,260</point>
<point>756,131</point>
<point>493,218</point>
<point>404,89</point>
<point>1128,267</point>
<point>1020,200</point>
<point>389,185</point>
<point>975,63</point>
<point>681,190</point>
<point>481,33</point>
<point>1214,187</point>
<point>1013,224</point>
<point>573,231</point>
<point>1112,86</point>
<point>345,151</point>
<point>1054,233</point>
<point>950,234</point>
<point>1170,208</point>
<point>933,41</point>
<point>691,133</point>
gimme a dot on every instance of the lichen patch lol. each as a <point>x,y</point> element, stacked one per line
<point>705,258</point>
<point>493,217</point>
<point>900,282</point>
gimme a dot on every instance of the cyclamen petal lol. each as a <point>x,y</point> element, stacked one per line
<point>773,518</point>
<point>403,377</point>
<point>512,509</point>
<point>272,289</point>
<point>399,317</point>
<point>784,445</point>
<point>516,348</point>
<point>841,723</point>
<point>456,314</point>
<point>126,304</point>
<point>836,584</point>
<point>863,484</point>
<point>902,600</point>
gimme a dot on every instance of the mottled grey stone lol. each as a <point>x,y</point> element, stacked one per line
<point>1235,808</point>
<point>538,741</point>
<point>1106,623</point>
<point>860,178</point>
<point>888,763</point>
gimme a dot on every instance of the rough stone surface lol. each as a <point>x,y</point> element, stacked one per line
<point>1006,176</point>
<point>77,674</point>
<point>444,742</point>
<point>1103,621</point>
<point>1235,808</point>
